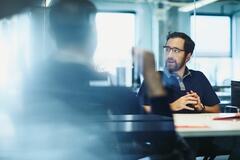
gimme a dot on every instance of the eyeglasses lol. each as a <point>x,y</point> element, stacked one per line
<point>168,49</point>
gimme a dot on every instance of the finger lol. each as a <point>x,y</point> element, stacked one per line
<point>147,109</point>
<point>188,95</point>
<point>191,98</point>
<point>191,102</point>
<point>193,92</point>
<point>198,98</point>
<point>188,108</point>
<point>194,95</point>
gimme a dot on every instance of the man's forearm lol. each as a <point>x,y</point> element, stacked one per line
<point>212,109</point>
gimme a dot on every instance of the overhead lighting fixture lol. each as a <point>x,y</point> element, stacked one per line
<point>46,3</point>
<point>196,5</point>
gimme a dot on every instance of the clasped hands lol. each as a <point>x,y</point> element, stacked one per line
<point>191,101</point>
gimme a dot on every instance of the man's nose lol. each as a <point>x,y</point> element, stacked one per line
<point>170,53</point>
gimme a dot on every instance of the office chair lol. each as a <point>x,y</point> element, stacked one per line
<point>235,93</point>
<point>235,98</point>
<point>235,107</point>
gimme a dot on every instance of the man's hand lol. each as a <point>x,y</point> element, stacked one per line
<point>145,63</point>
<point>199,106</point>
<point>147,108</point>
<point>184,101</point>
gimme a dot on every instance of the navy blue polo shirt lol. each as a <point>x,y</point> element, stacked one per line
<point>178,87</point>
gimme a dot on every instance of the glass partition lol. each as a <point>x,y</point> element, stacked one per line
<point>32,40</point>
<point>26,39</point>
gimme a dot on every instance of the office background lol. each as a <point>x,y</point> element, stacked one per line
<point>125,23</point>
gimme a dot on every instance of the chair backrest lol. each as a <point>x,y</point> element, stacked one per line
<point>235,93</point>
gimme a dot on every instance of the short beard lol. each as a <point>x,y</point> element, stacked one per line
<point>177,66</point>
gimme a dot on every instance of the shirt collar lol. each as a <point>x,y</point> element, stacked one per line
<point>187,73</point>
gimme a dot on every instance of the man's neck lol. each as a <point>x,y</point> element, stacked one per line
<point>181,71</point>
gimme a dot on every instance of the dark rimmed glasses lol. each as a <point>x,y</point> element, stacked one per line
<point>175,50</point>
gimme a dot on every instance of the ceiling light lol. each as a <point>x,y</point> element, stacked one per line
<point>196,5</point>
<point>46,3</point>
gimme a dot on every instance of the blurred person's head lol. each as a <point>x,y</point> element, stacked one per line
<point>10,7</point>
<point>72,23</point>
<point>178,49</point>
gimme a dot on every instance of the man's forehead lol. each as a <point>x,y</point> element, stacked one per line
<point>176,42</point>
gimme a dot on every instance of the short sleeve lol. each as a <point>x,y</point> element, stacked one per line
<point>209,97</point>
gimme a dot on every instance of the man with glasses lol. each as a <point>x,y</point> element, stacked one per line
<point>189,90</point>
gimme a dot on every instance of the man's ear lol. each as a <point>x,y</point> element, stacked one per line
<point>189,55</point>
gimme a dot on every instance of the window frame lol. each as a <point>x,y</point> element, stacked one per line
<point>134,13</point>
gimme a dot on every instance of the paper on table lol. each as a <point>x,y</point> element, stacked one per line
<point>225,116</point>
<point>192,126</point>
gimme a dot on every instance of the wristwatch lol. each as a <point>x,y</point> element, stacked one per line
<point>203,108</point>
